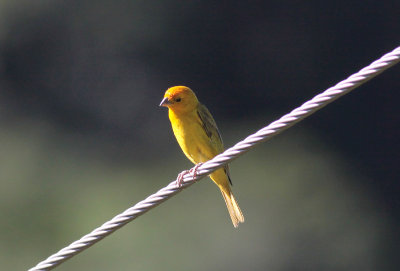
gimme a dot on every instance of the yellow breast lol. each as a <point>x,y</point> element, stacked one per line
<point>191,137</point>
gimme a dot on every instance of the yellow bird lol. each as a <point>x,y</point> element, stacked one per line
<point>198,136</point>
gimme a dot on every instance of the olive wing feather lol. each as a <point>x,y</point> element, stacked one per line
<point>210,128</point>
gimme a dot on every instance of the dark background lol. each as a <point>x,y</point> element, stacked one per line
<point>82,137</point>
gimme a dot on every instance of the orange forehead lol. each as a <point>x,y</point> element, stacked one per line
<point>177,91</point>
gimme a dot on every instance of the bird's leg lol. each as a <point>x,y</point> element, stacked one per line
<point>192,171</point>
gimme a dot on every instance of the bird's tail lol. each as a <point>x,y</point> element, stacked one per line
<point>233,207</point>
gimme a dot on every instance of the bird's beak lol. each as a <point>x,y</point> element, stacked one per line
<point>165,102</point>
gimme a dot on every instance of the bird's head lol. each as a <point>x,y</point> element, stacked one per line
<point>180,99</point>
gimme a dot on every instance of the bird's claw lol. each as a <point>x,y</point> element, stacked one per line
<point>179,180</point>
<point>192,171</point>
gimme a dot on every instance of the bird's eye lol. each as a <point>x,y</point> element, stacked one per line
<point>178,100</point>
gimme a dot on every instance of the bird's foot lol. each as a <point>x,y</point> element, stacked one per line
<point>179,180</point>
<point>192,171</point>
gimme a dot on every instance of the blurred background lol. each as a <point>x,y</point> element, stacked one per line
<point>82,137</point>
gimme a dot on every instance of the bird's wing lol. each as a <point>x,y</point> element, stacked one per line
<point>209,125</point>
<point>210,128</point>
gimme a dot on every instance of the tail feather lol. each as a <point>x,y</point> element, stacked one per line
<point>233,208</point>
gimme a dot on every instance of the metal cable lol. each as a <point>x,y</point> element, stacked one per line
<point>230,154</point>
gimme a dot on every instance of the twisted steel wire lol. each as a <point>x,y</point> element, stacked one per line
<point>220,160</point>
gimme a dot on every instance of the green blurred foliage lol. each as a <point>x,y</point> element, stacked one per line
<point>298,196</point>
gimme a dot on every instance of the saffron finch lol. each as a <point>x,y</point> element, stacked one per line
<point>198,136</point>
